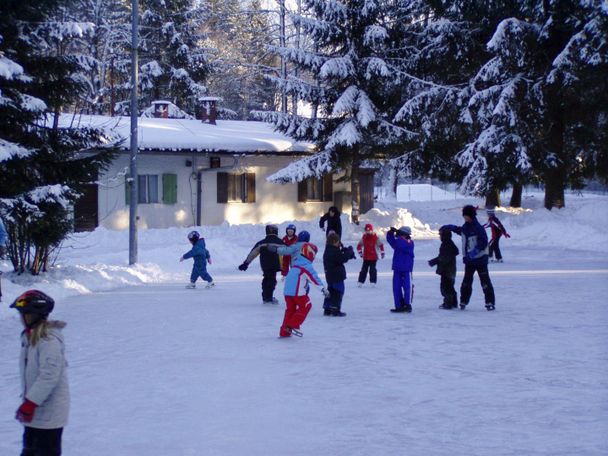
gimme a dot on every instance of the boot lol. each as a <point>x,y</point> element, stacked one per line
<point>191,285</point>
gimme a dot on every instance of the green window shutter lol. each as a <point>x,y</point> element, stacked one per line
<point>251,187</point>
<point>169,188</point>
<point>328,187</point>
<point>302,191</point>
<point>222,188</point>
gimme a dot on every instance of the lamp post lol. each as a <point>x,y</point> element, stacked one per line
<point>133,162</point>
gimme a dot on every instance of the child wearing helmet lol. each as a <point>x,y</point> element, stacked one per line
<point>498,230</point>
<point>403,264</point>
<point>368,248</point>
<point>201,257</point>
<point>297,284</point>
<point>290,238</point>
<point>43,370</point>
<point>334,258</point>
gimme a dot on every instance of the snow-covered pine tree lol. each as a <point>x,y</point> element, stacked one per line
<point>539,105</point>
<point>438,51</point>
<point>174,61</point>
<point>345,76</point>
<point>41,166</point>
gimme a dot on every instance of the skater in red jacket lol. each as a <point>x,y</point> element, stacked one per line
<point>497,232</point>
<point>368,248</point>
<point>290,238</point>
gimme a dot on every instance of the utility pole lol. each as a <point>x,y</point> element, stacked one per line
<point>134,113</point>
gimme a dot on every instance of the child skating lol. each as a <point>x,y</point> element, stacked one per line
<point>334,258</point>
<point>403,264</point>
<point>368,248</point>
<point>297,284</point>
<point>201,257</point>
<point>290,238</point>
<point>446,268</point>
<point>497,232</point>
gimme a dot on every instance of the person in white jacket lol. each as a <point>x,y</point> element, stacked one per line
<point>43,371</point>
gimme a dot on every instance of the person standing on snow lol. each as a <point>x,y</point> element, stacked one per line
<point>368,248</point>
<point>446,268</point>
<point>201,257</point>
<point>334,258</point>
<point>403,265</point>
<point>497,231</point>
<point>269,261</point>
<point>43,371</point>
<point>290,238</point>
<point>475,257</point>
<point>332,217</point>
<point>297,285</point>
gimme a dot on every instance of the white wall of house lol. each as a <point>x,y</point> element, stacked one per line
<point>274,203</point>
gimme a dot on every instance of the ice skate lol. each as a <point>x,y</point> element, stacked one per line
<point>490,307</point>
<point>210,285</point>
<point>293,331</point>
<point>359,284</point>
<point>191,286</point>
<point>463,306</point>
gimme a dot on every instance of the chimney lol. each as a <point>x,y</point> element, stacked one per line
<point>208,109</point>
<point>161,109</point>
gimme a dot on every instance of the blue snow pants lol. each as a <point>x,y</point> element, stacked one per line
<point>401,288</point>
<point>200,270</point>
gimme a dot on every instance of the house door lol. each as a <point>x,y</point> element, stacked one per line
<point>86,209</point>
<point>366,190</point>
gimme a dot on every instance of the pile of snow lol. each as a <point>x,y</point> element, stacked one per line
<point>97,261</point>
<point>424,192</point>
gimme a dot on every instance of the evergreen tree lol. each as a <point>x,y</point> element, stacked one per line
<point>350,86</point>
<point>174,61</point>
<point>42,166</point>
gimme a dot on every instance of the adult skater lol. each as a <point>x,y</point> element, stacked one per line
<point>43,371</point>
<point>269,261</point>
<point>475,257</point>
<point>498,230</point>
<point>332,218</point>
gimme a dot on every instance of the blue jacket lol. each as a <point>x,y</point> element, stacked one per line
<point>200,254</point>
<point>474,242</point>
<point>403,258</point>
<point>299,277</point>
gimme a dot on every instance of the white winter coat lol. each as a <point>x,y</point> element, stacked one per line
<point>44,378</point>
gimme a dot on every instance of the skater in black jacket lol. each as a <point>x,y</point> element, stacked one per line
<point>446,268</point>
<point>334,258</point>
<point>332,217</point>
<point>269,261</point>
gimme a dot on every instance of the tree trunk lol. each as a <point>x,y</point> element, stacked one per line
<point>493,198</point>
<point>355,190</point>
<point>393,179</point>
<point>554,189</point>
<point>516,194</point>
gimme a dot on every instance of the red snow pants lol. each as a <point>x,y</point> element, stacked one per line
<point>295,313</point>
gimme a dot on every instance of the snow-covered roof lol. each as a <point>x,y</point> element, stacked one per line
<point>193,135</point>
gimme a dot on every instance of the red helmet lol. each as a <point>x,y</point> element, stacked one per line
<point>369,227</point>
<point>309,251</point>
<point>34,302</point>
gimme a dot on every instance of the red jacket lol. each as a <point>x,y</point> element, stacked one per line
<point>287,258</point>
<point>368,247</point>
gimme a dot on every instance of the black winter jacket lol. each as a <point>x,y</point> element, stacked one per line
<point>333,262</point>
<point>269,261</point>
<point>446,260</point>
<point>333,222</point>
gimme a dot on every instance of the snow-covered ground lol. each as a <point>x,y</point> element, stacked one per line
<point>156,369</point>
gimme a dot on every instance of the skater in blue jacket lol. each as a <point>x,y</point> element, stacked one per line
<point>403,264</point>
<point>475,257</point>
<point>201,257</point>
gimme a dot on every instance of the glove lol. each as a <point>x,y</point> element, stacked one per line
<point>181,259</point>
<point>325,292</point>
<point>25,413</point>
<point>431,263</point>
<point>209,260</point>
<point>507,235</point>
<point>244,266</point>
<point>392,230</point>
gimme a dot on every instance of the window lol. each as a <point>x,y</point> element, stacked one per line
<point>314,189</point>
<point>236,188</point>
<point>147,189</point>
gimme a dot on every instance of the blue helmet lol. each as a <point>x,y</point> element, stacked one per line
<point>291,226</point>
<point>193,236</point>
<point>304,236</point>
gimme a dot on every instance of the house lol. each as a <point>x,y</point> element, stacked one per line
<point>196,173</point>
